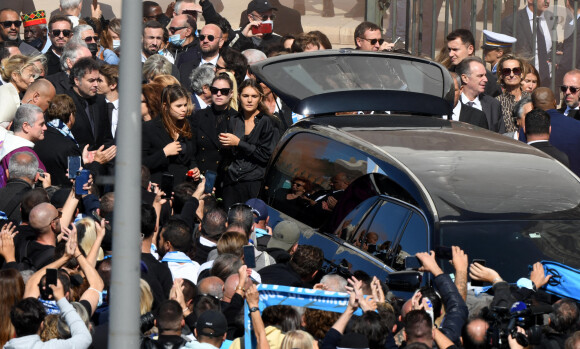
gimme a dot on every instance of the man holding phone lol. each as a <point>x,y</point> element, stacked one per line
<point>260,28</point>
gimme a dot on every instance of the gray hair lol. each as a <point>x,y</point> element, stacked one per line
<point>334,282</point>
<point>42,59</point>
<point>64,329</point>
<point>254,56</point>
<point>464,67</point>
<point>178,3</point>
<point>71,51</point>
<point>457,78</point>
<point>25,113</point>
<point>156,65</point>
<point>23,166</point>
<point>518,108</point>
<point>77,33</point>
<point>200,77</point>
<point>68,4</point>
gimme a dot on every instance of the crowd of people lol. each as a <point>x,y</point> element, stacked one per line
<point>209,129</point>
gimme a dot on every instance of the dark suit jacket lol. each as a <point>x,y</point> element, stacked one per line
<point>61,83</point>
<point>565,64</point>
<point>53,63</point>
<point>492,109</point>
<point>473,116</point>
<point>492,88</point>
<point>525,38</point>
<point>565,135</point>
<point>155,138</point>
<point>575,114</point>
<point>82,130</point>
<point>208,151</point>
<point>288,20</point>
<point>185,70</point>
<point>54,151</point>
<point>549,149</point>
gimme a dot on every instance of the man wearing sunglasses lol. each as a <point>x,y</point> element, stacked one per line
<point>59,33</point>
<point>369,37</point>
<point>183,44</point>
<point>10,24</point>
<point>571,90</point>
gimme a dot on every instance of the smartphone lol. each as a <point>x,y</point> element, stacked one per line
<point>51,276</point>
<point>478,283</point>
<point>74,165</point>
<point>81,180</point>
<point>167,185</point>
<point>443,252</point>
<point>412,262</point>
<point>262,28</point>
<point>249,256</point>
<point>209,181</point>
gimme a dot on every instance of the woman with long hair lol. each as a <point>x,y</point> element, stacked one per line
<point>168,140</point>
<point>11,292</point>
<point>252,139</point>
<point>509,76</point>
<point>209,122</point>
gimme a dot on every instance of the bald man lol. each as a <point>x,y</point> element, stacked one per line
<point>565,131</point>
<point>40,93</point>
<point>45,220</point>
<point>211,285</point>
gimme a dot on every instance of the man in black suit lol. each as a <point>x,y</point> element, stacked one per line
<point>208,52</point>
<point>537,129</point>
<point>461,44</point>
<point>59,33</point>
<point>525,39</point>
<point>92,124</point>
<point>70,55</point>
<point>299,272</point>
<point>462,112</point>
<point>571,89</point>
<point>473,78</point>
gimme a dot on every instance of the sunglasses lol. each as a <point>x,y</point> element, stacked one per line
<point>223,91</point>
<point>573,89</point>
<point>507,71</point>
<point>190,12</point>
<point>174,29</point>
<point>8,24</point>
<point>374,41</point>
<point>65,33</point>
<point>91,39</point>
<point>264,17</point>
<point>210,38</point>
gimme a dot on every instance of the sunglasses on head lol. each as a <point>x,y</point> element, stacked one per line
<point>174,29</point>
<point>8,24</point>
<point>223,91</point>
<point>91,39</point>
<point>507,71</point>
<point>189,12</point>
<point>374,41</point>
<point>65,32</point>
<point>565,88</point>
<point>202,37</point>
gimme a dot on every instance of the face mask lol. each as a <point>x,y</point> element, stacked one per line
<point>116,44</point>
<point>176,40</point>
<point>93,48</point>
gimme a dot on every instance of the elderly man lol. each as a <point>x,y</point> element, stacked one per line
<point>201,78</point>
<point>474,80</point>
<point>183,44</point>
<point>29,127</point>
<point>70,55</point>
<point>10,31</point>
<point>59,33</point>
<point>462,112</point>
<point>35,29</point>
<point>72,9</point>
<point>22,174</point>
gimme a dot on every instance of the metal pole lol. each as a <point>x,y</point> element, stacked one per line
<point>394,20</point>
<point>515,21</point>
<point>474,19</point>
<point>420,31</point>
<point>575,35</point>
<point>485,14</point>
<point>435,25</point>
<point>554,42</point>
<point>124,327</point>
<point>535,28</point>
<point>454,16</point>
<point>446,17</point>
<point>413,28</point>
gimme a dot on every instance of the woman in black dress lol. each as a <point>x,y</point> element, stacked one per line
<point>167,140</point>
<point>252,140</point>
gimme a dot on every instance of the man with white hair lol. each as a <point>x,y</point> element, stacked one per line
<point>70,55</point>
<point>22,174</point>
<point>72,9</point>
<point>29,127</point>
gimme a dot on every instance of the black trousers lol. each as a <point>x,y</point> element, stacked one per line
<point>240,192</point>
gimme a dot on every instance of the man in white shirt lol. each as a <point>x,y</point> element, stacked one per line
<point>462,112</point>
<point>108,86</point>
<point>174,243</point>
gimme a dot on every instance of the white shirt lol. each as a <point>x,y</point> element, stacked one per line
<point>212,61</point>
<point>114,116</point>
<point>476,101</point>
<point>547,35</point>
<point>455,114</point>
<point>181,266</point>
<point>202,104</point>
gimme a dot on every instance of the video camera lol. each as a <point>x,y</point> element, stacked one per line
<point>503,322</point>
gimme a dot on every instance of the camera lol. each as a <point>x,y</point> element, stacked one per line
<point>147,322</point>
<point>503,322</point>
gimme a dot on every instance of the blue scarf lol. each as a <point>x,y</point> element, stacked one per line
<point>62,128</point>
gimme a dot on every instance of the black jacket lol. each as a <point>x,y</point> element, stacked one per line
<point>554,152</point>
<point>155,138</point>
<point>281,274</point>
<point>251,155</point>
<point>54,151</point>
<point>61,83</point>
<point>82,129</point>
<point>53,63</point>
<point>455,308</point>
<point>473,116</point>
<point>10,197</point>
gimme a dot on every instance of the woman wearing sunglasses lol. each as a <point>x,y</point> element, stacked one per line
<point>509,73</point>
<point>251,138</point>
<point>209,122</point>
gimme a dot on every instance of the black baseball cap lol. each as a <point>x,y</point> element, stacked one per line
<point>211,323</point>
<point>260,6</point>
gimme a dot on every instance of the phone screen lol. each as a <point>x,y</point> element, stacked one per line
<point>51,276</point>
<point>209,181</point>
<point>412,262</point>
<point>249,256</point>
<point>74,165</point>
<point>167,185</point>
<point>81,180</point>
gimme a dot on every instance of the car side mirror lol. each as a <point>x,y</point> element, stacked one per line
<point>404,281</point>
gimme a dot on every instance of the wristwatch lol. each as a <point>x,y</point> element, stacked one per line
<point>253,309</point>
